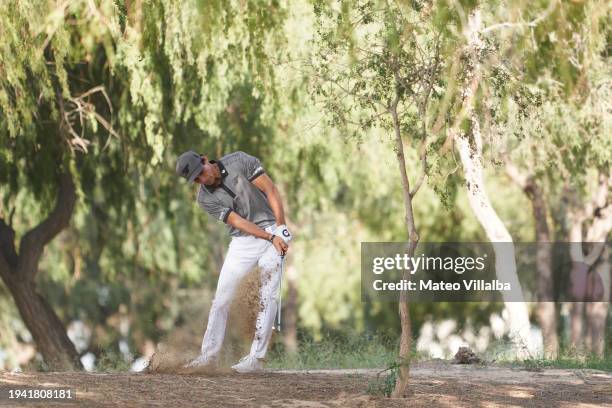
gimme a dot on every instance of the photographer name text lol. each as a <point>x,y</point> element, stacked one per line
<point>436,286</point>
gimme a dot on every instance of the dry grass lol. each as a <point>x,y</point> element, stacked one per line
<point>432,384</point>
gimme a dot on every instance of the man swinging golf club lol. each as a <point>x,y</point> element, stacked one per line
<point>236,190</point>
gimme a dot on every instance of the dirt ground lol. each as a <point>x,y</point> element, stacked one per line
<point>433,384</point>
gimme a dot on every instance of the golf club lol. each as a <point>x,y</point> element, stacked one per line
<point>277,327</point>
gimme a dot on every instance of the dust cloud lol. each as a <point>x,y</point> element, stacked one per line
<point>183,343</point>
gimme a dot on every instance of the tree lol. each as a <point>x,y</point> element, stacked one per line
<point>556,144</point>
<point>90,95</point>
<point>546,312</point>
<point>39,113</point>
<point>469,142</point>
<point>596,215</point>
<point>377,65</point>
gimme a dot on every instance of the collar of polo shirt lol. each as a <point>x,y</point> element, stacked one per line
<point>223,171</point>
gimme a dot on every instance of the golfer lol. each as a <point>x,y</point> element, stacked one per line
<point>236,190</point>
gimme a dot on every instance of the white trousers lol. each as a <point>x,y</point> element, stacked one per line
<point>243,254</point>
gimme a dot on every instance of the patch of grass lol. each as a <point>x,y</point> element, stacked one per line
<point>502,352</point>
<point>112,362</point>
<point>568,359</point>
<point>588,362</point>
<point>376,351</point>
<point>384,386</point>
<point>358,351</point>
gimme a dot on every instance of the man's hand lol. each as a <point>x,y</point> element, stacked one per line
<point>283,232</point>
<point>280,245</point>
<point>237,221</point>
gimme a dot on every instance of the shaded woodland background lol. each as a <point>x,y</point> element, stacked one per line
<point>103,249</point>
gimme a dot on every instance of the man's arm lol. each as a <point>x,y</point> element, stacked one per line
<point>265,184</point>
<point>247,226</point>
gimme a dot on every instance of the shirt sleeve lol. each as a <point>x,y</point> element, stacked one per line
<point>251,166</point>
<point>215,209</point>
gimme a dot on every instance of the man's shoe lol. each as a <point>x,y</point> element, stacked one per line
<point>248,364</point>
<point>200,361</point>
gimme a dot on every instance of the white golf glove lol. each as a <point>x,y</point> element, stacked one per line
<point>283,232</point>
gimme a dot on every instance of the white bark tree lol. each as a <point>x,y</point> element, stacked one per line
<point>545,308</point>
<point>469,145</point>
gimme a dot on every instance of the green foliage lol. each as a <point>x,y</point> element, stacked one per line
<point>369,55</point>
<point>113,91</point>
<point>563,42</point>
<point>121,91</point>
<point>111,362</point>
<point>344,350</point>
<point>384,386</point>
<point>549,100</point>
<point>567,360</point>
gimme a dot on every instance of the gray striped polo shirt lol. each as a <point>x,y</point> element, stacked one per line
<point>237,193</point>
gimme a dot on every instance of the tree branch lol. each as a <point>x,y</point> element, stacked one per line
<point>596,250</point>
<point>5,270</point>
<point>600,196</point>
<point>516,175</point>
<point>551,7</point>
<point>7,244</point>
<point>351,93</point>
<point>421,178</point>
<point>432,76</point>
<point>597,233</point>
<point>34,241</point>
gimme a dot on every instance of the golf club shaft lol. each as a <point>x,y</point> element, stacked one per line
<point>280,293</point>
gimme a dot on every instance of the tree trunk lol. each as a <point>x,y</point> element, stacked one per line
<point>578,277</point>
<point>401,384</point>
<point>18,271</point>
<point>291,313</point>
<point>599,212</point>
<point>291,310</point>
<point>597,312</point>
<point>547,317</point>
<point>471,159</point>
<point>46,328</point>
<point>545,312</point>
<point>505,263</point>
<point>576,329</point>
